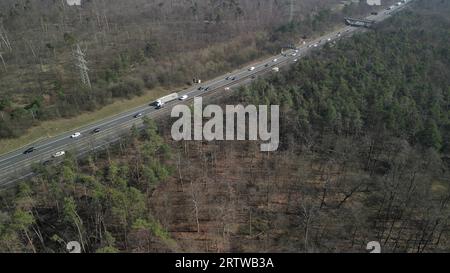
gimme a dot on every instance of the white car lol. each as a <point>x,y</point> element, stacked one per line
<point>294,54</point>
<point>137,115</point>
<point>76,135</point>
<point>315,45</point>
<point>59,154</point>
<point>275,60</point>
<point>184,97</point>
<point>295,60</point>
<point>227,88</point>
<point>251,68</point>
<point>329,39</point>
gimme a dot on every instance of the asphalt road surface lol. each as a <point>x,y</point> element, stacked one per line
<point>16,165</point>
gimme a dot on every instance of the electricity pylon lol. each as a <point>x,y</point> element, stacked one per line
<point>82,65</point>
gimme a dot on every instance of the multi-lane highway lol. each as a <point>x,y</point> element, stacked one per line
<point>16,165</point>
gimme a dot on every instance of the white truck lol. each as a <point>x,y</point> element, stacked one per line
<point>161,101</point>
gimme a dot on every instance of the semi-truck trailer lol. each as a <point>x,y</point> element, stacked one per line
<point>161,101</point>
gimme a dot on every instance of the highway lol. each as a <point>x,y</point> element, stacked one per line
<point>16,165</point>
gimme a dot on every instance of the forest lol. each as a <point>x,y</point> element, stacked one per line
<point>133,47</point>
<point>364,156</point>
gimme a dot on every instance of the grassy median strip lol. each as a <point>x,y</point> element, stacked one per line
<point>53,128</point>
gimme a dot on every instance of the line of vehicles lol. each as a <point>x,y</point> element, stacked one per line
<point>160,103</point>
<point>62,153</point>
<point>55,155</point>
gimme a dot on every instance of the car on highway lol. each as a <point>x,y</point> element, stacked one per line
<point>233,79</point>
<point>227,78</point>
<point>96,130</point>
<point>138,115</point>
<point>200,88</point>
<point>374,13</point>
<point>47,162</point>
<point>227,88</point>
<point>275,60</point>
<point>58,154</point>
<point>251,68</point>
<point>315,45</point>
<point>294,54</point>
<point>29,150</point>
<point>184,97</point>
<point>266,65</point>
<point>295,60</point>
<point>207,88</point>
<point>329,39</point>
<point>76,135</point>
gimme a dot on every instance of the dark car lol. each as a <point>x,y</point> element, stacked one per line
<point>29,150</point>
<point>200,88</point>
<point>233,79</point>
<point>227,78</point>
<point>47,162</point>
<point>96,130</point>
<point>374,13</point>
<point>207,88</point>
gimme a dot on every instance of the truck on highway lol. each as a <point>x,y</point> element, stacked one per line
<point>159,103</point>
